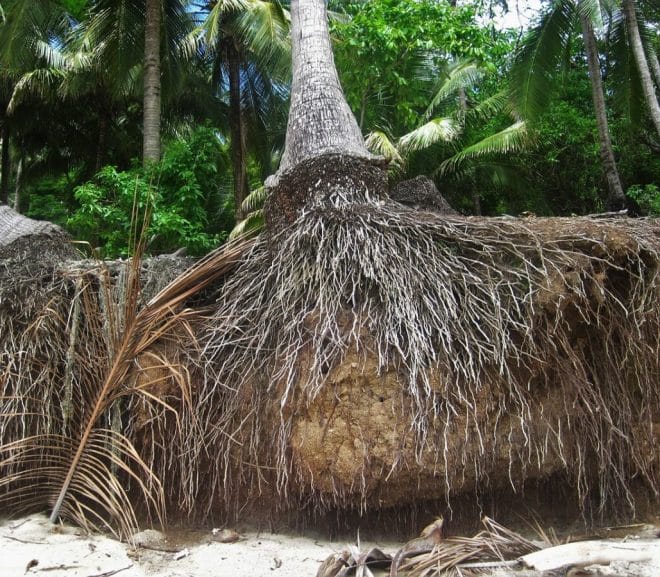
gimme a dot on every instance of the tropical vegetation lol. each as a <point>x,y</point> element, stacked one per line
<point>98,97</point>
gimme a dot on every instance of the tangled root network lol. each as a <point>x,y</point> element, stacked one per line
<point>535,339</point>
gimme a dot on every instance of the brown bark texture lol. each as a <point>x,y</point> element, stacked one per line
<point>616,196</point>
<point>320,120</point>
<point>151,120</point>
<point>642,65</point>
<point>237,128</point>
<point>325,159</point>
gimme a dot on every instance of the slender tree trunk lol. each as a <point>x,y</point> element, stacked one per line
<point>642,64</point>
<point>5,165</point>
<point>18,185</point>
<point>616,197</point>
<point>237,129</point>
<point>655,67</point>
<point>101,144</point>
<point>325,160</point>
<point>151,119</point>
<point>320,120</point>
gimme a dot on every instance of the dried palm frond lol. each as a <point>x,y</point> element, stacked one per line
<point>77,379</point>
<point>352,561</point>
<point>465,556</point>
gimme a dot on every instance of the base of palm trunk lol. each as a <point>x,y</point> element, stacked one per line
<point>327,180</point>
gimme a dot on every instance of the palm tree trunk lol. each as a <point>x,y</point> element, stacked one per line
<point>655,67</point>
<point>616,197</point>
<point>151,119</point>
<point>237,130</point>
<point>320,120</point>
<point>5,165</point>
<point>325,159</point>
<point>18,185</point>
<point>101,144</point>
<point>642,64</point>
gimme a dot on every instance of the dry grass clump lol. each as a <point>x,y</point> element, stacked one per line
<point>480,320</point>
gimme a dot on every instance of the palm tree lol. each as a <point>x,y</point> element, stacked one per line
<point>151,122</point>
<point>446,119</point>
<point>635,40</point>
<point>122,41</point>
<point>247,43</point>
<point>27,32</point>
<point>536,65</point>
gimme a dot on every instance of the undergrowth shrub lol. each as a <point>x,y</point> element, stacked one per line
<point>189,204</point>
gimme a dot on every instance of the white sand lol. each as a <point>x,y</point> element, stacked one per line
<point>65,551</point>
<point>31,546</point>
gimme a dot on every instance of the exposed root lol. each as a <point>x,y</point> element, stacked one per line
<point>519,347</point>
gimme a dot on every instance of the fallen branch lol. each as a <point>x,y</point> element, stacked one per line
<point>590,553</point>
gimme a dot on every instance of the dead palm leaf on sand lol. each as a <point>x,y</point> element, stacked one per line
<point>467,556</point>
<point>80,462</point>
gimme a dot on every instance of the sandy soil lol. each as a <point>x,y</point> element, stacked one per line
<point>31,546</point>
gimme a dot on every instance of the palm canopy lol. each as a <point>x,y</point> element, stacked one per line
<point>246,45</point>
<point>110,42</point>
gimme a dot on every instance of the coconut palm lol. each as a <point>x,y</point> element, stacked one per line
<point>27,34</point>
<point>151,123</point>
<point>538,61</point>
<point>117,45</point>
<point>248,46</point>
<point>635,40</point>
<point>446,119</point>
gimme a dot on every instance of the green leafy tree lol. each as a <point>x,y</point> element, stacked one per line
<point>183,194</point>
<point>390,54</point>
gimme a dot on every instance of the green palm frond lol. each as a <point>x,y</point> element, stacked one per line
<point>264,30</point>
<point>212,28</point>
<point>434,131</point>
<point>255,200</point>
<point>379,143</point>
<point>40,83</point>
<point>512,139</point>
<point>250,226</point>
<point>535,66</point>
<point>593,10</point>
<point>491,106</point>
<point>461,76</point>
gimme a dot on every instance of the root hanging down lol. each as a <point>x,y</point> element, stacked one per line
<point>370,356</point>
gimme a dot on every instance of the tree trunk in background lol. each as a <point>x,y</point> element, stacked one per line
<point>101,144</point>
<point>237,128</point>
<point>325,158</point>
<point>655,67</point>
<point>616,196</point>
<point>642,65</point>
<point>5,165</point>
<point>18,185</point>
<point>151,119</point>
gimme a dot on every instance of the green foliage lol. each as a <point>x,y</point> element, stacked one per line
<point>182,191</point>
<point>647,196</point>
<point>389,55</point>
<point>566,165</point>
